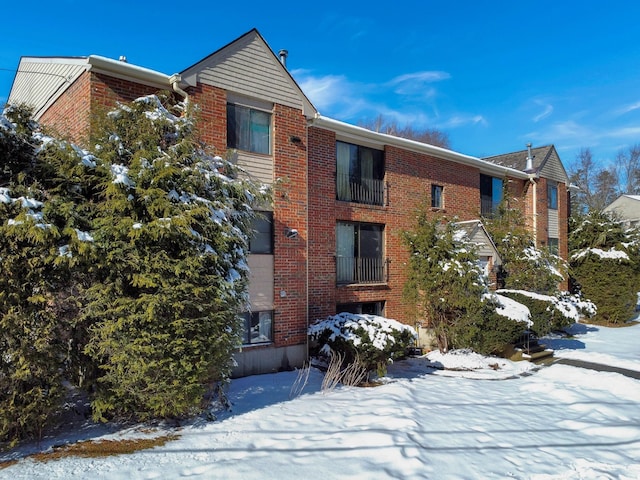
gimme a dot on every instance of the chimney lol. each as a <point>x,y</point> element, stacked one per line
<point>529,166</point>
<point>283,57</point>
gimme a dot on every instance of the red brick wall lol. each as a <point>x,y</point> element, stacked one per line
<point>211,116</point>
<point>322,223</point>
<point>290,204</point>
<point>107,91</point>
<point>290,211</point>
<point>563,220</point>
<point>409,177</point>
<point>69,116</point>
<point>541,215</point>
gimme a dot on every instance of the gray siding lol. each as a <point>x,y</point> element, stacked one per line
<point>258,167</point>
<point>247,67</point>
<point>261,282</point>
<point>553,227</point>
<point>553,169</point>
<point>482,243</point>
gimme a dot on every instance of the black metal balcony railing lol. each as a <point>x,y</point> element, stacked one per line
<point>361,270</point>
<point>360,190</point>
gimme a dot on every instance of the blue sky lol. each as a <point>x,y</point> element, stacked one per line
<point>494,75</point>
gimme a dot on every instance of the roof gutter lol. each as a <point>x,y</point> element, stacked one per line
<point>127,71</point>
<point>352,132</point>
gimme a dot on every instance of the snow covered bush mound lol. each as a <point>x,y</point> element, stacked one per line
<point>374,340</point>
<point>551,312</point>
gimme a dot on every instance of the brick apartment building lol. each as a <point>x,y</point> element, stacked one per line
<point>332,239</point>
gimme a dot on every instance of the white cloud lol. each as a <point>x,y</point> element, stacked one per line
<point>633,133</point>
<point>407,99</point>
<point>324,92</point>
<point>548,110</point>
<point>627,108</point>
<point>420,77</point>
<point>460,120</point>
<point>417,83</point>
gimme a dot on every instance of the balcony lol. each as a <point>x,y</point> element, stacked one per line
<point>368,191</point>
<point>361,270</point>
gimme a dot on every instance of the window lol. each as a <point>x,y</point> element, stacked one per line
<point>262,239</point>
<point>490,194</point>
<point>365,308</point>
<point>436,196</point>
<point>248,129</point>
<point>552,196</point>
<point>258,327</point>
<point>553,245</point>
<point>359,250</point>
<point>359,174</point>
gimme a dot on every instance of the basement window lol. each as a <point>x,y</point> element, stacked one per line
<point>257,327</point>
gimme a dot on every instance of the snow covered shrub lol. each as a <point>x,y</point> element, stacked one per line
<point>372,340</point>
<point>605,265</point>
<point>488,333</point>
<point>551,312</point>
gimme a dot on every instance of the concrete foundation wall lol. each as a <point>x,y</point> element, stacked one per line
<point>255,361</point>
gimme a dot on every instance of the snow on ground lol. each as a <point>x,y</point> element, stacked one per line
<point>610,346</point>
<point>511,421</point>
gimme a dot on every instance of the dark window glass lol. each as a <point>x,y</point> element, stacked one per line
<point>359,174</point>
<point>490,194</point>
<point>366,308</point>
<point>436,196</point>
<point>258,327</point>
<point>248,129</point>
<point>552,196</point>
<point>262,239</point>
<point>359,253</point>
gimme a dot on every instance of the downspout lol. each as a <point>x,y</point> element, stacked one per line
<point>307,248</point>
<point>174,80</point>
<point>532,180</point>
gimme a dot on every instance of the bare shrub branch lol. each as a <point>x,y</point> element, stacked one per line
<point>301,380</point>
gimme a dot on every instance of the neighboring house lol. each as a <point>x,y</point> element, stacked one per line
<point>332,239</point>
<point>626,208</point>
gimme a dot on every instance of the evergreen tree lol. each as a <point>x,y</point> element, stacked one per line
<point>170,241</point>
<point>524,266</point>
<point>605,264</point>
<point>38,302</point>
<point>444,279</point>
<point>124,271</point>
<point>17,147</point>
